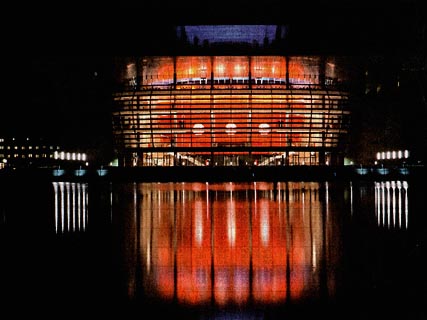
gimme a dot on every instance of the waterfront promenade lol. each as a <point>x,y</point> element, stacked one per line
<point>216,174</point>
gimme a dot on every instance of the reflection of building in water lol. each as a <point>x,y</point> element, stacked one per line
<point>391,203</point>
<point>71,200</point>
<point>233,243</point>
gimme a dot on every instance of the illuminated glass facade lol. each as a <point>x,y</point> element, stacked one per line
<point>230,110</point>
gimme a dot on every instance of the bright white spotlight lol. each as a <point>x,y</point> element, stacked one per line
<point>230,128</point>
<point>264,128</point>
<point>198,129</point>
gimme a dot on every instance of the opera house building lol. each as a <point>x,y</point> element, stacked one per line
<point>204,106</point>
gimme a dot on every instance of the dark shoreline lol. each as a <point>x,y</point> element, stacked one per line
<point>215,174</point>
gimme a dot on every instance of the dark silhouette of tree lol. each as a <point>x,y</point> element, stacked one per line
<point>196,41</point>
<point>266,41</point>
<point>183,35</point>
<point>278,36</point>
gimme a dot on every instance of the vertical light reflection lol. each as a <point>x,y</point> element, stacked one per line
<point>67,188</point>
<point>378,202</point>
<point>265,226</point>
<point>73,204</point>
<point>146,232</point>
<point>314,255</point>
<point>326,242</point>
<point>383,200</point>
<point>389,205</point>
<point>55,188</point>
<point>231,220</point>
<point>303,202</point>
<point>135,206</point>
<point>61,187</point>
<point>79,206</point>
<point>255,198</point>
<point>198,224</point>
<point>264,259</point>
<point>393,189</point>
<point>69,211</point>
<point>387,185</point>
<point>279,203</point>
<point>207,200</point>
<point>405,186</point>
<point>399,188</point>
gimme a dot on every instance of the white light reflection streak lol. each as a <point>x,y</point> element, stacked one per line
<point>79,205</point>
<point>327,201</point>
<point>303,204</point>
<point>183,200</point>
<point>393,189</point>
<point>265,226</point>
<point>387,185</point>
<point>280,203</point>
<point>378,201</point>
<point>231,221</point>
<point>207,200</point>
<point>67,188</point>
<point>405,186</point>
<point>70,212</point>
<point>383,201</point>
<point>148,257</point>
<point>55,188</point>
<point>387,204</point>
<point>61,187</point>
<point>73,207</point>
<point>314,253</point>
<point>399,188</point>
<point>198,225</point>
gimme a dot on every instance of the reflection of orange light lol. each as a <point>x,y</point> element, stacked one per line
<point>195,243</point>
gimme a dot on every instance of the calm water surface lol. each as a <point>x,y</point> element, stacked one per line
<point>255,250</point>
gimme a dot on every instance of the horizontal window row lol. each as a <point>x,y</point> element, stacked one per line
<point>231,94</point>
<point>24,156</point>
<point>13,147</point>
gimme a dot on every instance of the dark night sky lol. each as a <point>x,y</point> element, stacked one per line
<point>65,54</point>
